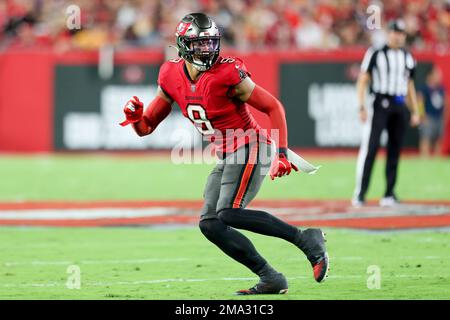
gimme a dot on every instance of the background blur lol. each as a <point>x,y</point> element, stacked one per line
<point>74,80</point>
<point>64,80</point>
<point>248,24</point>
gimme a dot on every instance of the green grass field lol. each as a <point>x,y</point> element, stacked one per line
<point>91,177</point>
<point>139,263</point>
<point>179,263</point>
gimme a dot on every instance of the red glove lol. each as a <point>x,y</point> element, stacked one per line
<point>133,110</point>
<point>281,166</point>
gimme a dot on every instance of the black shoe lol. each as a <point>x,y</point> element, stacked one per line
<point>273,284</point>
<point>312,243</point>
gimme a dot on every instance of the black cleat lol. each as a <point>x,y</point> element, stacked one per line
<point>312,243</point>
<point>272,284</point>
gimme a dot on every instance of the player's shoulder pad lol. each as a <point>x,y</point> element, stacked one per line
<point>231,62</point>
<point>168,65</point>
<point>167,68</point>
<point>234,68</point>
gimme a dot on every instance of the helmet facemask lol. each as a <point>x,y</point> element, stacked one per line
<point>202,52</point>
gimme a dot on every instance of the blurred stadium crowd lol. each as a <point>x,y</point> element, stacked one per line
<point>245,24</point>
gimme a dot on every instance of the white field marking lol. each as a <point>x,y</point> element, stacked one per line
<point>309,213</point>
<point>162,260</point>
<point>30,285</point>
<point>368,258</point>
<point>397,257</point>
<point>87,214</point>
<point>301,258</point>
<point>156,281</point>
<point>379,214</point>
<point>420,240</point>
<point>154,260</point>
<point>89,245</point>
<point>131,261</point>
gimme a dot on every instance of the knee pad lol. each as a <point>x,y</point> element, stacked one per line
<point>228,216</point>
<point>210,227</point>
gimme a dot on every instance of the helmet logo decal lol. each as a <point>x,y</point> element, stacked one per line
<point>182,28</point>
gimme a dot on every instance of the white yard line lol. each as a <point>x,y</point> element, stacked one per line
<point>156,281</point>
<point>86,214</point>
<point>308,213</point>
<point>163,260</point>
<point>58,262</point>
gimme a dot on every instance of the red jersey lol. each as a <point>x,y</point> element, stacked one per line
<point>208,103</point>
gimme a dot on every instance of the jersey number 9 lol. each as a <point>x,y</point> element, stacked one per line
<point>198,115</point>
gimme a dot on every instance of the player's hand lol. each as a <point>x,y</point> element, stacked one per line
<point>362,114</point>
<point>281,166</point>
<point>134,109</point>
<point>415,120</point>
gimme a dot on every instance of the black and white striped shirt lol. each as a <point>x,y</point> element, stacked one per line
<point>390,70</point>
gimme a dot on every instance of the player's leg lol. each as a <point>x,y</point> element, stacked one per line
<point>235,244</point>
<point>230,241</point>
<point>370,142</point>
<point>425,147</point>
<point>437,147</point>
<point>396,128</point>
<point>240,184</point>
<point>425,139</point>
<point>438,127</point>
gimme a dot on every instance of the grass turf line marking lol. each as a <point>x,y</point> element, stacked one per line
<point>86,214</point>
<point>132,261</point>
<point>303,213</point>
<point>162,260</point>
<point>157,281</point>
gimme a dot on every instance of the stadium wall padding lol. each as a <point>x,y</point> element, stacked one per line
<point>38,87</point>
<point>26,101</point>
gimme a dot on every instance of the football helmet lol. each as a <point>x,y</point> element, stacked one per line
<point>198,40</point>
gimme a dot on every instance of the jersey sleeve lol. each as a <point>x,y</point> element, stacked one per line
<point>411,65</point>
<point>368,61</point>
<point>235,71</point>
<point>164,78</point>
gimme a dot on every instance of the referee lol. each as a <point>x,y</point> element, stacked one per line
<point>389,71</point>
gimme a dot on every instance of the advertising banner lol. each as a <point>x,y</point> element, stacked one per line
<point>321,104</point>
<point>88,109</point>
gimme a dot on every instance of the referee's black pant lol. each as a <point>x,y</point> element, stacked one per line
<point>387,114</point>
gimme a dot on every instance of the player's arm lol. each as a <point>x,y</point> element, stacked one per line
<point>364,78</point>
<point>361,88</point>
<point>259,98</point>
<point>413,103</point>
<point>256,96</point>
<point>145,122</point>
<point>446,106</point>
<point>421,104</point>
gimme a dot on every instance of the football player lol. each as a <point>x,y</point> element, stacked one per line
<point>214,92</point>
